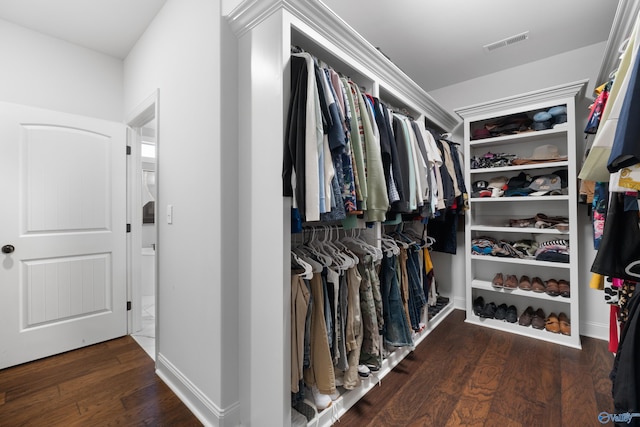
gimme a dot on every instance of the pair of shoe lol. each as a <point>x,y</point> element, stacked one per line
<point>535,319</point>
<point>510,282</point>
<point>507,313</point>
<point>486,311</point>
<point>558,324</point>
<point>552,287</point>
<point>491,311</point>
<point>558,287</point>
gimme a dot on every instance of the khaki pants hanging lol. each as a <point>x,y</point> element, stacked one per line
<point>320,372</point>
<point>300,297</point>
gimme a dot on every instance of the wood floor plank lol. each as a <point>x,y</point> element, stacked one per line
<point>102,385</point>
<point>461,374</point>
<point>475,400</point>
<point>470,375</point>
<point>529,390</point>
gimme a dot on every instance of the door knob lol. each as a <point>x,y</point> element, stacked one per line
<point>7,249</point>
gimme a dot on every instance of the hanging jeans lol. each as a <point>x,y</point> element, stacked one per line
<point>351,378</point>
<point>396,329</point>
<point>417,298</point>
<point>320,372</point>
<point>370,351</point>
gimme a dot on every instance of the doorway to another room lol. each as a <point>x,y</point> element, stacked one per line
<point>143,242</point>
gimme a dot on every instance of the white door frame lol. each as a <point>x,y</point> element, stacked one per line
<point>141,115</point>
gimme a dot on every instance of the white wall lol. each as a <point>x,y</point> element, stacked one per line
<point>42,71</point>
<point>180,54</point>
<point>559,69</point>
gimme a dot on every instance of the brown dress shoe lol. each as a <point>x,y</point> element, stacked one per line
<point>526,316</point>
<point>498,281</point>
<point>552,324</point>
<point>551,288</point>
<point>539,319</point>
<point>563,288</point>
<point>565,324</point>
<point>537,285</point>
<point>511,282</point>
<point>525,283</point>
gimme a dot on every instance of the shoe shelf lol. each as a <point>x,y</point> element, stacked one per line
<point>487,286</point>
<point>523,261</point>
<point>528,331</point>
<point>491,216</point>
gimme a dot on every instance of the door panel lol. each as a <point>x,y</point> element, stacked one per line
<point>63,208</point>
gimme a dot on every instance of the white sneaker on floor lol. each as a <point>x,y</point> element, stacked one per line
<point>322,401</point>
<point>334,396</point>
<point>363,371</point>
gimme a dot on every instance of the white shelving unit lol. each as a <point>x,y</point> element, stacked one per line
<point>265,32</point>
<point>489,216</point>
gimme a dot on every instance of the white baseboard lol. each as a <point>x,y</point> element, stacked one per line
<point>459,303</point>
<point>202,407</point>
<point>595,330</point>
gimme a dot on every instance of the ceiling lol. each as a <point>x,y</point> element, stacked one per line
<point>107,26</point>
<point>436,43</point>
<point>440,42</point>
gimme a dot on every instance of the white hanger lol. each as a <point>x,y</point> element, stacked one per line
<point>308,269</point>
<point>630,266</point>
<point>316,267</point>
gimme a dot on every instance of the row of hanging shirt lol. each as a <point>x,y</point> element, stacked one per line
<point>347,154</point>
<point>613,162</point>
<point>361,297</point>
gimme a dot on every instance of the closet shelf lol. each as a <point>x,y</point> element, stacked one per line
<point>527,262</point>
<point>528,331</point>
<point>536,166</point>
<point>519,230</point>
<point>486,286</point>
<point>539,136</point>
<point>518,199</point>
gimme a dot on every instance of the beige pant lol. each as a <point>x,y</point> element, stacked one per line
<point>404,282</point>
<point>300,297</point>
<point>320,372</point>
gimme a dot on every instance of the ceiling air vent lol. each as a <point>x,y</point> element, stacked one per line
<point>506,42</point>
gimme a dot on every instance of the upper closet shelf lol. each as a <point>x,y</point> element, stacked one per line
<point>519,137</point>
<point>538,166</point>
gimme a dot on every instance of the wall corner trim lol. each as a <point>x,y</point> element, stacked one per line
<point>202,407</point>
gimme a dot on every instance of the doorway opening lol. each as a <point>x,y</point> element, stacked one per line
<point>143,238</point>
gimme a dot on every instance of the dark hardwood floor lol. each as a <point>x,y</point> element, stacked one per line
<point>460,375</point>
<point>107,384</point>
<point>467,375</point>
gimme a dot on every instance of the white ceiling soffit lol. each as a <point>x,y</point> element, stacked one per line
<point>440,43</point>
<point>107,26</point>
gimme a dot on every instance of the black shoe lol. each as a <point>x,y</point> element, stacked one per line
<point>478,305</point>
<point>488,311</point>
<point>501,312</point>
<point>512,314</point>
